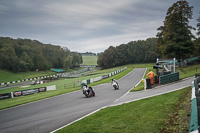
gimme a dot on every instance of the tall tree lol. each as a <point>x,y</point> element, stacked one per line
<point>106,60</point>
<point>197,41</point>
<point>175,37</point>
<point>198,25</point>
<point>121,55</point>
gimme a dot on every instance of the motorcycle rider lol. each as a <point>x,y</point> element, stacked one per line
<point>114,81</point>
<point>85,84</point>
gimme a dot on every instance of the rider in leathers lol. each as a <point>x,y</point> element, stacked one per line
<point>113,80</point>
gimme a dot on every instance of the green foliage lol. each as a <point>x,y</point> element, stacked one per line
<point>88,54</point>
<point>197,47</point>
<point>134,52</point>
<point>107,58</point>
<point>198,26</point>
<point>175,37</point>
<point>28,55</point>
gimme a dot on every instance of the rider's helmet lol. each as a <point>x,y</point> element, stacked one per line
<point>84,84</point>
<point>112,79</point>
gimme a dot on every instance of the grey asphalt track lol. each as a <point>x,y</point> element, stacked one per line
<point>167,88</point>
<point>16,84</point>
<point>50,114</point>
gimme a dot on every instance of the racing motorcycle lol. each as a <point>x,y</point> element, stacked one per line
<point>88,91</point>
<point>115,85</point>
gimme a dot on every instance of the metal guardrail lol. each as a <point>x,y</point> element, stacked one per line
<point>169,78</point>
<point>195,106</point>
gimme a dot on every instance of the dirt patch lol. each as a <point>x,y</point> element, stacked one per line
<point>179,120</point>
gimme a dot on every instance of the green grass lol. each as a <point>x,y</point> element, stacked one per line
<point>6,76</point>
<point>89,60</point>
<point>67,85</point>
<point>188,71</point>
<point>148,115</point>
<point>64,85</point>
<point>138,88</point>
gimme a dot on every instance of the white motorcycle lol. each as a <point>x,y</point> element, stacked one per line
<point>115,85</point>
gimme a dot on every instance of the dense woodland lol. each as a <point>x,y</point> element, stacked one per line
<point>173,40</point>
<point>142,51</point>
<point>30,55</point>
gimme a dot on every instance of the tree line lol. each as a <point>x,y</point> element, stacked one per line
<point>173,40</point>
<point>89,54</point>
<point>28,55</point>
<point>141,51</point>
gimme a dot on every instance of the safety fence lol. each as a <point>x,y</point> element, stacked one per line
<point>103,77</point>
<point>169,78</point>
<point>29,79</point>
<point>195,107</point>
<point>26,92</point>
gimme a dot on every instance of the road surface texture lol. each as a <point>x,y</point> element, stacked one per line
<point>50,114</point>
<point>134,96</point>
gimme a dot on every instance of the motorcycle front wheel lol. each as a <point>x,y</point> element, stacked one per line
<point>86,94</point>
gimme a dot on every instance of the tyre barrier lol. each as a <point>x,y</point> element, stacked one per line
<point>195,107</point>
<point>29,79</point>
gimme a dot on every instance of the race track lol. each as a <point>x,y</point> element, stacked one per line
<point>50,114</point>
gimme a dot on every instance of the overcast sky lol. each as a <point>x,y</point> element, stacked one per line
<point>85,25</point>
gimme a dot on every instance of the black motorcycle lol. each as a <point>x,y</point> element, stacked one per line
<point>88,91</point>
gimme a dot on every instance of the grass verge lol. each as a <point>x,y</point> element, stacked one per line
<point>6,76</point>
<point>188,71</point>
<point>179,119</point>
<point>60,87</point>
<point>147,115</point>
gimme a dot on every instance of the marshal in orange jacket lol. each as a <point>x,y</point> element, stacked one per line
<point>151,75</point>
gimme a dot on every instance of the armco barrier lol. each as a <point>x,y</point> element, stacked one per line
<point>195,118</point>
<point>169,78</point>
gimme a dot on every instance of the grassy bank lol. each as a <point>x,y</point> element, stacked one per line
<point>188,71</point>
<point>64,85</point>
<point>6,76</point>
<point>89,60</point>
<point>148,115</point>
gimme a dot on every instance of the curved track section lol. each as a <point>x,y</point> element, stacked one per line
<point>49,114</point>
